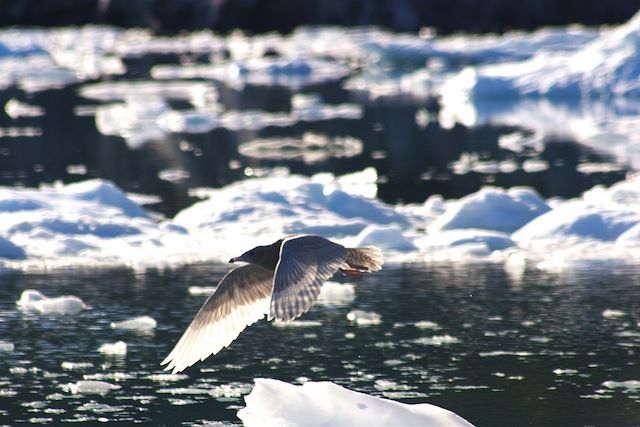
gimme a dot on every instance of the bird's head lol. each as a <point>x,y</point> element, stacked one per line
<point>265,256</point>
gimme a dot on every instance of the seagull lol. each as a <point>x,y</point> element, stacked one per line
<point>281,280</point>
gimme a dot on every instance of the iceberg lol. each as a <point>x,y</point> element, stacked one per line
<point>276,403</point>
<point>35,301</point>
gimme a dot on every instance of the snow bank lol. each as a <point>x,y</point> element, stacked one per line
<point>32,300</point>
<point>276,403</point>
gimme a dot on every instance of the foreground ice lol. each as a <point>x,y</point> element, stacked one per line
<point>35,301</point>
<point>276,403</point>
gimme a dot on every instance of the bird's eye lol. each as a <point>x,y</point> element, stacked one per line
<point>252,253</point>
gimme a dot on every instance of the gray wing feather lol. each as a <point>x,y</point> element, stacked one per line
<point>241,299</point>
<point>305,263</point>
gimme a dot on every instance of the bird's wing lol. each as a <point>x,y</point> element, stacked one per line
<point>241,299</point>
<point>305,263</point>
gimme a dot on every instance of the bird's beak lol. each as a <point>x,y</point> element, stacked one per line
<point>232,260</point>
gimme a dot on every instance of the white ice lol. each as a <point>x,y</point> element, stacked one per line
<point>7,346</point>
<point>363,317</point>
<point>276,403</point>
<point>118,348</point>
<point>95,223</point>
<point>34,301</point>
<point>333,293</point>
<point>89,387</point>
<point>141,323</point>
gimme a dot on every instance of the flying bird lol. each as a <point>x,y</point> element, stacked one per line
<point>281,280</point>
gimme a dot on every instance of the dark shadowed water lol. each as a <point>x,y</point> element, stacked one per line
<point>498,350</point>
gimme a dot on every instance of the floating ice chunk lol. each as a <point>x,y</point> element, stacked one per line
<point>426,324</point>
<point>493,209</point>
<point>333,293</point>
<point>174,175</point>
<point>89,387</point>
<point>298,324</point>
<point>7,346</point>
<point>118,348</point>
<point>276,403</point>
<point>387,238</point>
<point>76,366</point>
<point>362,317</point>
<point>437,340</point>
<point>16,109</point>
<point>201,290</point>
<point>631,385</point>
<point>141,323</point>
<point>32,300</point>
<point>611,313</point>
<point>161,378</point>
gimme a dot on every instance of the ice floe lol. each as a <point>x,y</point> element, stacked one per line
<point>276,403</point>
<point>34,301</point>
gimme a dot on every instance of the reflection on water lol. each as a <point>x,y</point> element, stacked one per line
<point>412,153</point>
<point>540,350</point>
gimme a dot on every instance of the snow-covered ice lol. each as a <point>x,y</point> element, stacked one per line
<point>276,403</point>
<point>95,223</point>
<point>34,301</point>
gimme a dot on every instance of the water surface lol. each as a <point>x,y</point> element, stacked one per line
<point>498,350</point>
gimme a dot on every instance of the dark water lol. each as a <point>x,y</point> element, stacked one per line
<point>528,352</point>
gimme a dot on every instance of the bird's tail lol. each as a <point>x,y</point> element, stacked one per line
<point>368,258</point>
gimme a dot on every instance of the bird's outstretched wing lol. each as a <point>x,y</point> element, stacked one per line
<point>305,263</point>
<point>241,299</point>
